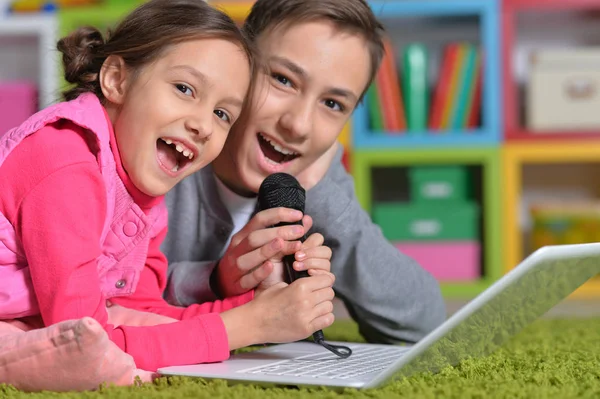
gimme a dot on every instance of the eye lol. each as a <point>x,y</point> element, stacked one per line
<point>282,79</point>
<point>185,89</point>
<point>223,115</point>
<point>334,105</point>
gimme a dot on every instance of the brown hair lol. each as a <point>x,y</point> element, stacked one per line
<point>352,15</point>
<point>142,37</point>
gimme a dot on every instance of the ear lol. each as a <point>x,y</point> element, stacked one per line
<point>113,79</point>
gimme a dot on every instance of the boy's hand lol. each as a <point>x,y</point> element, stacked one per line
<point>309,177</point>
<point>246,263</point>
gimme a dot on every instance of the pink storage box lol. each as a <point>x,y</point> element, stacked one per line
<point>446,260</point>
<point>18,101</point>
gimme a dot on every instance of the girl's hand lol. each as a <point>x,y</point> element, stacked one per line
<point>282,313</point>
<point>295,311</point>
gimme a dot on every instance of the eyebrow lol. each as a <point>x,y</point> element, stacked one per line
<point>298,70</point>
<point>205,81</point>
<point>193,71</point>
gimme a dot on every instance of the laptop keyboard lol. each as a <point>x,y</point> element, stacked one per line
<point>364,360</point>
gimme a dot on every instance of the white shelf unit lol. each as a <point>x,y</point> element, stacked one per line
<point>28,52</point>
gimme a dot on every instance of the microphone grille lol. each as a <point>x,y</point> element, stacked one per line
<point>281,190</point>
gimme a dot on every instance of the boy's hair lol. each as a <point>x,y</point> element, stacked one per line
<point>142,37</point>
<point>352,15</point>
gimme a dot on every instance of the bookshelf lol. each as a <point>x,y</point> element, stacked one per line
<point>27,44</point>
<point>487,160</point>
<point>489,132</point>
<point>499,153</point>
<point>516,156</point>
<point>568,154</point>
<point>512,11</point>
<point>477,149</point>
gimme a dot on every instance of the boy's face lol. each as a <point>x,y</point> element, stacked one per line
<point>316,75</point>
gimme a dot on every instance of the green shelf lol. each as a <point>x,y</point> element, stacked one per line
<point>488,158</point>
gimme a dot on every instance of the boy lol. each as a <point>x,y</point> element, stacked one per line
<point>320,57</point>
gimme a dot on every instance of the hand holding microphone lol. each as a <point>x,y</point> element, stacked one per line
<point>283,190</point>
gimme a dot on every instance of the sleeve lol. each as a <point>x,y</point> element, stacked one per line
<point>388,294</point>
<point>148,294</point>
<point>59,223</point>
<point>189,282</point>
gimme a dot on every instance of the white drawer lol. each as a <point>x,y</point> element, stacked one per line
<point>563,90</point>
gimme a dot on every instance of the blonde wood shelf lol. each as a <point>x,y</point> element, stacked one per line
<point>514,157</point>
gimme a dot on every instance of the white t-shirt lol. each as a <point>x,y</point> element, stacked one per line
<point>240,208</point>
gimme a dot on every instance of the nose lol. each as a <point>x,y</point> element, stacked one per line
<point>201,125</point>
<point>297,120</point>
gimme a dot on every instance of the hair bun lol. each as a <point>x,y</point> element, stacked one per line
<point>82,59</point>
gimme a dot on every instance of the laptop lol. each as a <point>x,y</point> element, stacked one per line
<point>522,295</point>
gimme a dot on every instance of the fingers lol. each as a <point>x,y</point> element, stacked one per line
<point>314,283</point>
<point>251,280</point>
<point>271,217</point>
<point>323,295</point>
<point>324,318</point>
<point>307,222</point>
<point>313,258</point>
<point>258,256</point>
<point>313,264</point>
<point>321,252</point>
<point>314,240</point>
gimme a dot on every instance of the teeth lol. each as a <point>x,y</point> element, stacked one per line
<point>175,168</point>
<point>278,148</point>
<point>180,148</point>
<point>271,161</point>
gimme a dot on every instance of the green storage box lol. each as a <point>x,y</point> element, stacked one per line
<point>410,222</point>
<point>438,183</point>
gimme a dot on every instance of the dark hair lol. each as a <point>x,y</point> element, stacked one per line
<point>141,38</point>
<point>353,15</point>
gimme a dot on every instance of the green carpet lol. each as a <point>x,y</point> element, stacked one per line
<point>551,358</point>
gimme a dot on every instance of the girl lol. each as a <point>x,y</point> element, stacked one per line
<point>81,206</point>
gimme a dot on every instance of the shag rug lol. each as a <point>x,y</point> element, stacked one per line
<point>552,358</point>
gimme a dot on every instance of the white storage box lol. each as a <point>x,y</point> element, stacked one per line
<point>563,92</point>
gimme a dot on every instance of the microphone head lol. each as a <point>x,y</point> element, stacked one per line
<point>281,190</point>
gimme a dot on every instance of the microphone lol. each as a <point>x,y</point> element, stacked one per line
<point>283,190</point>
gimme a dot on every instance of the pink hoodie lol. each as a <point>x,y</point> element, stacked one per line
<point>74,232</point>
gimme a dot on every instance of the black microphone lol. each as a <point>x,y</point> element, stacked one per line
<point>283,190</point>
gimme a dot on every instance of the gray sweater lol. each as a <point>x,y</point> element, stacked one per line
<point>387,293</point>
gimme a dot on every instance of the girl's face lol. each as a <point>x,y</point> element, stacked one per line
<point>172,118</point>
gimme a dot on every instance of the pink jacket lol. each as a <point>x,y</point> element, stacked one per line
<point>127,230</point>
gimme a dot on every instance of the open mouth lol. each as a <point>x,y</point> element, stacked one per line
<point>274,152</point>
<point>172,155</point>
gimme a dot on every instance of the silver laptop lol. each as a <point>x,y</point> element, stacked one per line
<point>525,293</point>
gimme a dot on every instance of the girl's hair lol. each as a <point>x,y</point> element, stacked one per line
<point>142,37</point>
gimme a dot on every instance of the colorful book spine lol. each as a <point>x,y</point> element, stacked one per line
<point>443,88</point>
<point>375,117</point>
<point>415,87</point>
<point>397,102</point>
<point>474,96</point>
<point>384,91</point>
<point>450,102</point>
<point>461,109</point>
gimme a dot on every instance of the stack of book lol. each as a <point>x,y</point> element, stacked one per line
<point>404,105</point>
